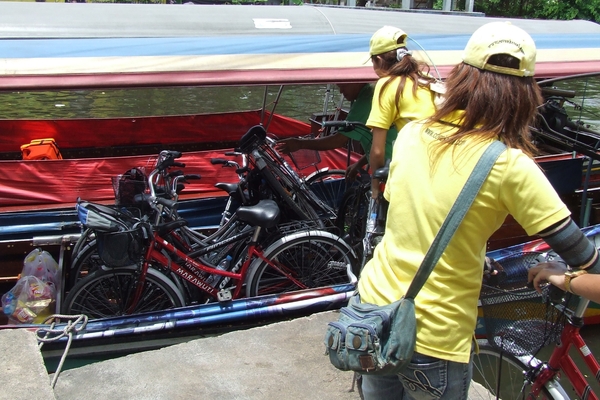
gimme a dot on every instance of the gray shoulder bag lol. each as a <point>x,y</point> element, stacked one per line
<point>373,339</point>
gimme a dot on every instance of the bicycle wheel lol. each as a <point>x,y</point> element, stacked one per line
<point>329,186</point>
<point>352,217</point>
<point>107,292</point>
<point>503,375</point>
<point>314,258</point>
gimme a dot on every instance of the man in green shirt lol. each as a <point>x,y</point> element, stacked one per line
<point>360,96</point>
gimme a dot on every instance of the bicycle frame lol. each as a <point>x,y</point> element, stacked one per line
<point>191,269</point>
<point>560,360</point>
<point>375,226</point>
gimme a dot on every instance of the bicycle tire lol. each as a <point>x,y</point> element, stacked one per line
<point>352,217</point>
<point>105,292</point>
<point>504,373</point>
<point>315,258</point>
<point>329,186</point>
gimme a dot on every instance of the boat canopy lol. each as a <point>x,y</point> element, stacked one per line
<point>72,45</point>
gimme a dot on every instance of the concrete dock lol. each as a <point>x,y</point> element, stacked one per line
<point>283,360</point>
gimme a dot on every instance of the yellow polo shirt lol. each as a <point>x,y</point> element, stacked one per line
<point>385,111</point>
<point>421,192</point>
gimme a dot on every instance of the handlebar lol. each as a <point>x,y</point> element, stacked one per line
<point>552,91</point>
<point>344,125</point>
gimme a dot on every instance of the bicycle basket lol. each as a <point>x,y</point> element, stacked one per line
<point>518,319</point>
<point>127,185</point>
<point>119,249</point>
<point>305,158</point>
<point>255,136</point>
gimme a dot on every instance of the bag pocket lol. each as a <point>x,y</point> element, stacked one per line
<point>358,340</point>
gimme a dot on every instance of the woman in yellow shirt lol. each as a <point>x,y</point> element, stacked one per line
<point>403,92</point>
<point>490,96</point>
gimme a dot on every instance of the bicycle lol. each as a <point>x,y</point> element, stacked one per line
<point>361,219</point>
<point>276,179</point>
<point>298,259</point>
<point>129,202</point>
<point>519,323</point>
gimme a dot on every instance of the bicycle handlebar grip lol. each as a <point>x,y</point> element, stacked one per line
<point>192,176</point>
<point>178,164</point>
<point>175,153</point>
<point>217,161</point>
<point>344,125</point>
<point>141,197</point>
<point>167,203</point>
<point>335,124</point>
<point>551,91</point>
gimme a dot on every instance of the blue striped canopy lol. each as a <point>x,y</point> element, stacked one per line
<point>65,45</point>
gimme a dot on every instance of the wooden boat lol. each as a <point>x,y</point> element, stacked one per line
<point>64,47</point>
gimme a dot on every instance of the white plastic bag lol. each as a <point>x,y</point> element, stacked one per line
<point>31,300</point>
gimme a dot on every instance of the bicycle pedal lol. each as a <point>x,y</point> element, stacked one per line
<point>224,295</point>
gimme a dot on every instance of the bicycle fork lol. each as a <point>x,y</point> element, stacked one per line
<point>371,231</point>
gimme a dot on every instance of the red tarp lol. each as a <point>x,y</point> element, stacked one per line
<point>139,131</point>
<point>54,183</point>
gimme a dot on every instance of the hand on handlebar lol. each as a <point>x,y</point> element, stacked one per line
<point>289,145</point>
<point>552,272</point>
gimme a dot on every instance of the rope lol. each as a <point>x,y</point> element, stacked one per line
<point>46,335</point>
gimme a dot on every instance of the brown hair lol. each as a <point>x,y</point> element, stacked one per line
<point>408,67</point>
<point>495,105</point>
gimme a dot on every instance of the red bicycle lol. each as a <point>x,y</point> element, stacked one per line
<point>519,322</point>
<point>156,270</point>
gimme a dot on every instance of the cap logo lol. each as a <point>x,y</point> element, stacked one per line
<point>507,41</point>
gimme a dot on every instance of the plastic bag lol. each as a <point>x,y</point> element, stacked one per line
<point>39,263</point>
<point>31,300</point>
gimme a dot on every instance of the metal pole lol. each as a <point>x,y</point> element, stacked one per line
<point>469,5</point>
<point>447,5</point>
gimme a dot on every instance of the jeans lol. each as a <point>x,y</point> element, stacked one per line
<point>424,378</point>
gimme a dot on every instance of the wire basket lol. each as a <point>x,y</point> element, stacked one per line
<point>305,158</point>
<point>518,319</point>
<point>119,249</point>
<point>126,186</point>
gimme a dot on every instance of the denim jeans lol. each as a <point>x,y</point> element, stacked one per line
<point>424,378</point>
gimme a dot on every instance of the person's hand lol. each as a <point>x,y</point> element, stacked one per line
<point>289,145</point>
<point>493,272</point>
<point>352,172</point>
<point>552,272</point>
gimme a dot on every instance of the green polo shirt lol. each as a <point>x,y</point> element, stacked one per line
<point>359,111</point>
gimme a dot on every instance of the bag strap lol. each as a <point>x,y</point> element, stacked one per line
<point>456,215</point>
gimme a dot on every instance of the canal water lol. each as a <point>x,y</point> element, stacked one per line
<point>300,102</point>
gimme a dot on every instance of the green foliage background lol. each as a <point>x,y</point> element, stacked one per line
<point>543,9</point>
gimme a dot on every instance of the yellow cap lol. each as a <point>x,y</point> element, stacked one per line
<point>501,38</point>
<point>386,39</point>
